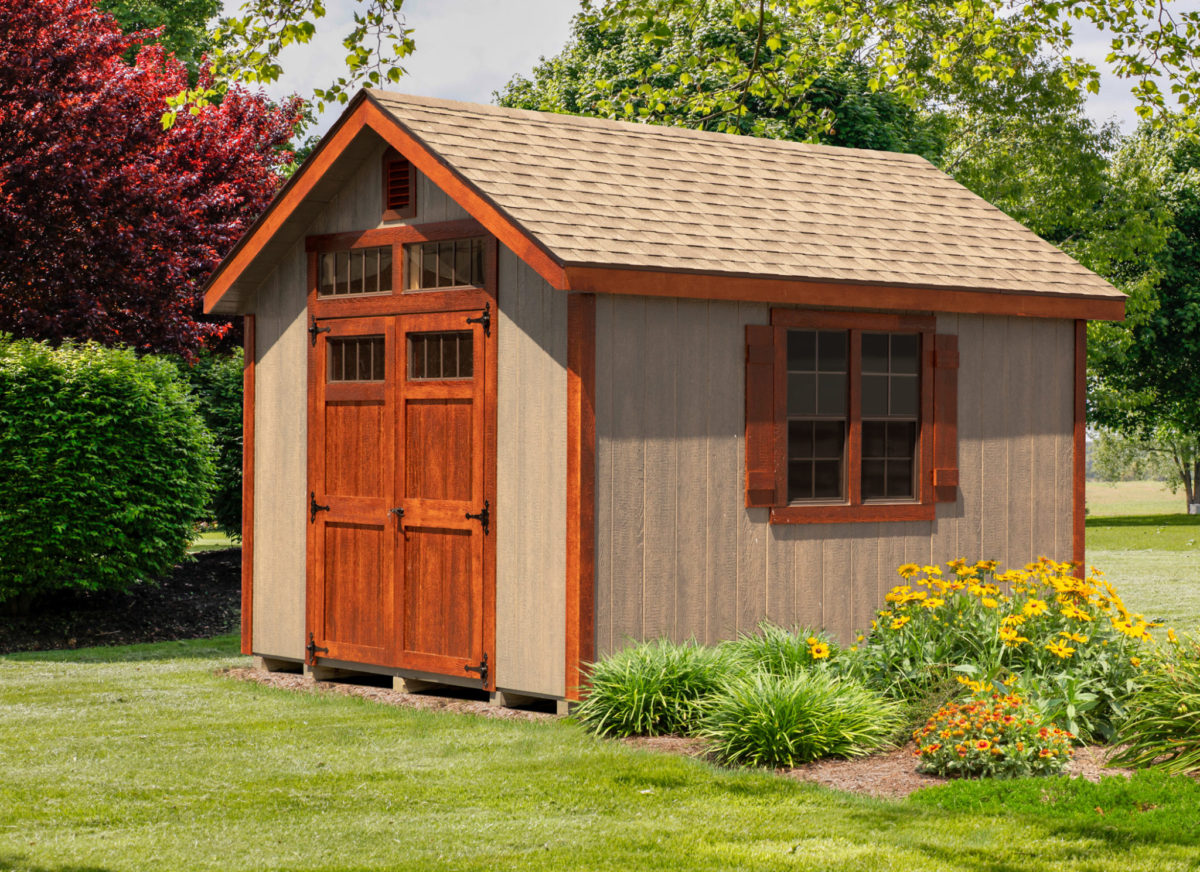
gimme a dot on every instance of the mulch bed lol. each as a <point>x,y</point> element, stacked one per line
<point>199,599</point>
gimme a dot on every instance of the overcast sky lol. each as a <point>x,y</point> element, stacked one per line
<point>466,49</point>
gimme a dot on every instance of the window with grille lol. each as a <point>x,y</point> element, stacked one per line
<point>356,359</point>
<point>443,355</point>
<point>452,263</point>
<point>355,271</point>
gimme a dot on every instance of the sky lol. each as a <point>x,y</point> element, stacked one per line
<point>466,49</point>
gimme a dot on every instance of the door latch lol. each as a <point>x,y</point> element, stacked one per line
<point>399,513</point>
<point>482,669</point>
<point>485,319</point>
<point>314,330</point>
<point>313,508</point>
<point>312,648</point>
<point>484,517</point>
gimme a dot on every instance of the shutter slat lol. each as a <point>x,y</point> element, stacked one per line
<point>760,416</point>
<point>945,418</point>
<point>397,185</point>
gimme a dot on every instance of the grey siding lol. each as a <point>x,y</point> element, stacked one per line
<point>679,555</point>
<point>281,411</point>
<point>531,482</point>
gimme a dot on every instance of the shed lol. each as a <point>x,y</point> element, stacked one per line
<point>522,387</point>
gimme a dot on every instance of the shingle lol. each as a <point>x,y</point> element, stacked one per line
<point>611,193</point>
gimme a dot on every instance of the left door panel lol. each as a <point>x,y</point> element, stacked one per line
<point>351,579</point>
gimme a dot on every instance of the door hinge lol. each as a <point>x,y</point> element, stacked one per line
<point>484,517</point>
<point>314,330</point>
<point>312,648</point>
<point>482,669</point>
<point>313,508</point>
<point>485,319</point>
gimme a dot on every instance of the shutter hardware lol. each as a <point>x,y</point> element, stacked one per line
<point>485,319</point>
<point>483,517</point>
<point>313,508</point>
<point>312,648</point>
<point>314,330</point>
<point>482,669</point>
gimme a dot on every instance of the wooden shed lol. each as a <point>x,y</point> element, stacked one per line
<point>522,387</point>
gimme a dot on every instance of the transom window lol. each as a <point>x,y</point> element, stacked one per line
<point>449,264</point>
<point>355,271</point>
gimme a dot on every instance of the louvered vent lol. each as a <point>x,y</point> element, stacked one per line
<point>397,186</point>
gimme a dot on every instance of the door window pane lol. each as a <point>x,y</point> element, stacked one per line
<point>447,355</point>
<point>357,358</point>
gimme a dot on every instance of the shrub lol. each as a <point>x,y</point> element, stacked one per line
<point>1163,726</point>
<point>216,383</point>
<point>1075,646</point>
<point>782,652</point>
<point>994,735</point>
<point>761,719</point>
<point>650,689</point>
<point>106,468</point>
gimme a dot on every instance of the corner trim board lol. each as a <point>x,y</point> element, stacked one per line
<point>1079,450</point>
<point>248,485</point>
<point>581,490</point>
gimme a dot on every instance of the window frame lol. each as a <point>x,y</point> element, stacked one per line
<point>853,509</point>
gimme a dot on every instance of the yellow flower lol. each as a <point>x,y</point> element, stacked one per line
<point>932,570</point>
<point>1135,661</point>
<point>908,570</point>
<point>899,622</point>
<point>1011,637</point>
<point>1010,681</point>
<point>1171,637</point>
<point>1060,649</point>
<point>1074,637</point>
<point>1075,613</point>
<point>819,651</point>
<point>1013,620</point>
<point>990,602</point>
<point>933,602</point>
<point>956,563</point>
<point>1036,607</point>
<point>898,594</point>
<point>986,565</point>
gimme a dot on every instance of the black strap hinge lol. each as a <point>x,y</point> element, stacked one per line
<point>485,319</point>
<point>484,517</point>
<point>312,648</point>
<point>482,669</point>
<point>314,330</point>
<point>313,508</point>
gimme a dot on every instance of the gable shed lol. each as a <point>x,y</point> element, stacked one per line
<point>523,387</point>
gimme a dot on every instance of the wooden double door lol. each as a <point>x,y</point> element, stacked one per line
<point>399,514</point>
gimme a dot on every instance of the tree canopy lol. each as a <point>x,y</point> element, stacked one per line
<point>108,223</point>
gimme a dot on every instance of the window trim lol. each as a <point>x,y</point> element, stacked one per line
<point>853,509</point>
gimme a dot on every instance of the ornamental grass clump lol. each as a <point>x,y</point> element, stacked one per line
<point>1163,726</point>
<point>997,736</point>
<point>760,719</point>
<point>650,689</point>
<point>1075,647</point>
<point>781,652</point>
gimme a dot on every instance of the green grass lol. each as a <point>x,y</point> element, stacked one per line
<point>142,759</point>
<point>1133,498</point>
<point>211,540</point>
<point>1144,533</point>
<point>1161,585</point>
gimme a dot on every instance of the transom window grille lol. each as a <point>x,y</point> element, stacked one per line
<point>356,271</point>
<point>448,264</point>
<point>447,355</point>
<point>356,359</point>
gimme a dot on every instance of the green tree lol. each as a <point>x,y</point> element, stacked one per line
<point>1163,455</point>
<point>184,24</point>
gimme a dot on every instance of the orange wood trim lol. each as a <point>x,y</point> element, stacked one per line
<point>466,195</point>
<point>843,514</point>
<point>292,195</point>
<point>581,488</point>
<point>1079,452</point>
<point>248,485</point>
<point>779,416</point>
<point>398,235</point>
<point>817,319</point>
<point>408,303</point>
<point>316,464</point>
<point>708,286</point>
<point>389,159</point>
<point>490,407</point>
<point>761,423</point>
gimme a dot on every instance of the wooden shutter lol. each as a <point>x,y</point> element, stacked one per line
<point>945,418</point>
<point>760,416</point>
<point>399,200</point>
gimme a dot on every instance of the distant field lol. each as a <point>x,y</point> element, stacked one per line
<point>1133,498</point>
<point>211,540</point>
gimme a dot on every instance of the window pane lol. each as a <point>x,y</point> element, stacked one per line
<point>385,269</point>
<point>831,394</point>
<point>800,439</point>
<point>899,479</point>
<point>802,394</point>
<point>440,355</point>
<point>874,439</point>
<point>370,277</point>
<point>874,479</point>
<point>462,262</point>
<point>466,355</point>
<point>901,439</point>
<point>445,265</point>
<point>416,356</point>
<point>429,253</point>
<point>343,272</point>
<point>356,272</point>
<point>356,359</point>
<point>904,395</point>
<point>802,350</point>
<point>449,356</point>
<point>827,479</point>
<point>829,439</point>
<point>874,396</point>
<point>412,267</point>
<point>831,351</point>
<point>904,352</point>
<point>477,262</point>
<point>875,352</point>
<point>800,480</point>
<point>327,274</point>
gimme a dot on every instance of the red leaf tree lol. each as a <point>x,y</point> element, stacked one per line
<point>109,224</point>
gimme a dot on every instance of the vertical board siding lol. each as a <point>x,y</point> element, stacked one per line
<point>669,444</point>
<point>531,487</point>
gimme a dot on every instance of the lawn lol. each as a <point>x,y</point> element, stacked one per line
<point>211,540</point>
<point>1133,498</point>
<point>141,758</point>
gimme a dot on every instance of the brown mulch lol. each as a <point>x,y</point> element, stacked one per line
<point>200,598</point>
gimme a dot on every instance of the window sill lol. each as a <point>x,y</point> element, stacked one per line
<point>844,514</point>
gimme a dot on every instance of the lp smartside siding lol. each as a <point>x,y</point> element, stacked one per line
<point>678,554</point>
<point>280,413</point>
<point>531,482</point>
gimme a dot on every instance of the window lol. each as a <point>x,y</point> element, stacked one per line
<point>440,355</point>
<point>356,359</point>
<point>355,271</point>
<point>842,417</point>
<point>453,263</point>
<point>399,187</point>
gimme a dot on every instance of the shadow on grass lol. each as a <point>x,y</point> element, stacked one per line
<point>181,649</point>
<point>1144,521</point>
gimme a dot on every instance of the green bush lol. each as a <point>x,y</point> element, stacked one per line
<point>782,652</point>
<point>761,719</point>
<point>1163,726</point>
<point>651,689</point>
<point>216,383</point>
<point>106,468</point>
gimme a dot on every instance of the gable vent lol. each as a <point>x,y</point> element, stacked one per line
<point>397,185</point>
